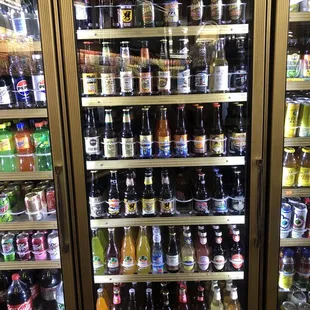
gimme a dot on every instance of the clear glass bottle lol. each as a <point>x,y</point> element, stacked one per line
<point>217,301</point>
<point>188,253</point>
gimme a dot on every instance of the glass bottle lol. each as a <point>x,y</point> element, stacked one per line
<point>92,137</point>
<point>234,303</point>
<point>226,293</point>
<point>199,134</point>
<point>303,178</point>
<point>127,139</point>
<point>236,252</point>
<point>236,203</point>
<point>219,255</point>
<point>293,59</point>
<point>117,299</point>
<point>112,254</point>
<point>145,85</point>
<point>183,192</point>
<point>182,305</point>
<point>173,253</point>
<point>101,303</point>
<point>163,134</point>
<point>166,197</point>
<point>217,302</point>
<point>201,197</point>
<point>171,13</point>
<point>126,74</point>
<point>219,199</point>
<point>214,283</point>
<point>132,305</point>
<point>97,252</point>
<point>125,13</point>
<point>166,303</point>
<point>201,72</point>
<point>200,300</point>
<point>203,253</point>
<point>149,299</point>
<point>289,168</point>
<point>128,253</point>
<point>148,13</point>
<point>235,11</point>
<point>188,253</point>
<point>143,252</point>
<point>157,252</point>
<point>217,137</point>
<point>148,195</point>
<point>130,197</point>
<point>184,72</point>
<point>164,73</point>
<point>196,15</point>
<point>110,143</point>
<point>108,78</point>
<point>146,137</point>
<point>114,200</point>
<point>180,136</point>
<point>95,198</point>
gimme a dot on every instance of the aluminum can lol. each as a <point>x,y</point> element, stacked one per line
<point>45,184</point>
<point>22,245</point>
<point>39,246</point>
<point>287,305</point>
<point>303,306</point>
<point>8,250</point>
<point>12,195</point>
<point>26,188</point>
<point>298,297</point>
<point>33,206</point>
<point>41,191</point>
<point>50,199</point>
<point>304,120</point>
<point>286,217</point>
<point>5,209</point>
<point>300,216</point>
<point>291,118</point>
<point>53,245</point>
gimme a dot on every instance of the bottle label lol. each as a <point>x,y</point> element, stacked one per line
<point>22,144</point>
<point>80,12</point>
<point>19,26</point>
<point>188,263</point>
<point>293,65</point>
<point>196,10</point>
<point>126,81</point>
<point>219,262</point>
<point>306,66</point>
<point>237,261</point>
<point>4,208</point>
<point>184,82</point>
<point>235,11</point>
<point>128,147</point>
<point>108,84</point>
<point>22,90</point>
<point>166,206</point>
<point>148,14</point>
<point>5,145</point>
<point>217,144</point>
<point>158,262</point>
<point>200,146</point>
<point>5,95</point>
<point>114,206</point>
<point>92,145</point>
<point>216,9</point>
<point>219,206</point>
<point>145,82</point>
<point>173,260</point>
<point>201,81</point>
<point>202,206</point>
<point>34,291</point>
<point>241,79</point>
<point>237,142</point>
<point>3,296</point>
<point>130,207</point>
<point>220,78</point>
<point>96,205</point>
<point>90,83</point>
<point>148,206</point>
<point>304,177</point>
<point>97,262</point>
<point>171,12</point>
<point>48,293</point>
<point>146,145</point>
<point>143,262</point>
<point>24,306</point>
<point>110,147</point>
<point>289,177</point>
<point>181,147</point>
<point>164,81</point>
<point>113,262</point>
<point>128,262</point>
<point>203,263</point>
<point>125,16</point>
<point>285,280</point>
<point>237,203</point>
<point>164,146</point>
<point>39,87</point>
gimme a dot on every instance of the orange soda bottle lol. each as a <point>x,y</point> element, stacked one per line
<point>128,253</point>
<point>101,302</point>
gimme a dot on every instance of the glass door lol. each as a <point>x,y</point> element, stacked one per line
<point>161,116</point>
<point>33,192</point>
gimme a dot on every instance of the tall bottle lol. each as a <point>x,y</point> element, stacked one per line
<point>217,11</point>
<point>112,254</point>
<point>303,177</point>
<point>114,200</point>
<point>219,199</point>
<point>199,134</point>
<point>188,256</point>
<point>180,136</point>
<point>145,85</point>
<point>217,302</point>
<point>157,252</point>
<point>130,197</point>
<point>146,137</point>
<point>126,75</point>
<point>95,198</point>
<point>166,302</point>
<point>163,134</point>
<point>98,256</point>
<point>219,255</point>
<point>290,170</point>
<point>182,305</point>
<point>236,252</point>
<point>203,253</point>
<point>196,12</point>
<point>38,83</point>
<point>110,142</point>
<point>214,283</point>
<point>239,80</point>
<point>226,293</point>
<point>101,303</point>
<point>108,78</point>
<point>164,73</point>
<point>6,98</point>
<point>117,299</point>
<point>132,304</point>
<point>125,13</point>
<point>201,72</point>
<point>171,13</point>
<point>149,300</point>
<point>128,253</point>
<point>200,302</point>
<point>219,69</point>
<point>143,252</point>
<point>183,192</point>
<point>92,137</point>
<point>148,195</point>
<point>201,197</point>
<point>166,196</point>
<point>217,137</point>
<point>234,303</point>
<point>173,253</point>
<point>236,203</point>
<point>184,73</point>
<point>128,145</point>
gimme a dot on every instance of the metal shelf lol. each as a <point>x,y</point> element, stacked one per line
<point>297,84</point>
<point>297,142</point>
<point>23,113</point>
<point>26,176</point>
<point>295,242</point>
<point>173,277</point>
<point>43,264</point>
<point>155,100</point>
<point>169,221</point>
<point>296,192</point>
<point>299,17</point>
<point>205,30</point>
<point>165,162</point>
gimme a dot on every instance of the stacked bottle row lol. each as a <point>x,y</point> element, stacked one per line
<point>188,197</point>
<point>300,6</point>
<point>103,14</point>
<point>26,289</point>
<point>180,254</point>
<point>189,136</point>
<point>169,296</point>
<point>202,69</point>
<point>25,147</point>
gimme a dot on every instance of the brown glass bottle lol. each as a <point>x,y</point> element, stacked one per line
<point>180,136</point>
<point>110,143</point>
<point>145,83</point>
<point>201,198</point>
<point>217,137</point>
<point>114,199</point>
<point>199,134</point>
<point>125,13</point>
<point>182,304</point>
<point>236,252</point>
<point>164,73</point>
<point>130,197</point>
<point>112,254</point>
<point>219,255</point>
<point>166,197</point>
<point>89,74</point>
<point>148,195</point>
<point>96,203</point>
<point>173,253</point>
<point>163,135</point>
<point>200,301</point>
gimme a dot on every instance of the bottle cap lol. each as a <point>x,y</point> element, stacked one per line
<point>218,233</point>
<point>306,149</point>
<point>216,105</point>
<point>289,150</point>
<point>132,291</point>
<point>2,126</point>
<point>15,277</point>
<point>100,290</point>
<point>39,125</point>
<point>20,125</point>
<point>236,231</point>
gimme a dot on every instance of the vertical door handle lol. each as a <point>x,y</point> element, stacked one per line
<point>258,238</point>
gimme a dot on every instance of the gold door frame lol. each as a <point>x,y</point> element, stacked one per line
<point>255,165</point>
<point>59,143</point>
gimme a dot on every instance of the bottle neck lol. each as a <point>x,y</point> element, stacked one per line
<point>148,180</point>
<point>164,50</point>
<point>111,236</point>
<point>91,123</point>
<point>221,50</point>
<point>239,118</point>
<point>145,56</point>
<point>182,298</point>
<point>143,232</point>
<point>145,121</point>
<point>94,182</point>
<point>219,184</point>
<point>237,180</point>
<point>126,122</point>
<point>130,182</point>
<point>199,119</point>
<point>217,119</point>
<point>181,120</point>
<point>106,55</point>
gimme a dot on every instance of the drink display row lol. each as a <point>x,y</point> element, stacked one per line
<point>169,296</point>
<point>103,14</point>
<point>24,147</point>
<point>202,69</point>
<point>188,196</point>
<point>179,254</point>
<point>26,289</point>
<point>25,246</point>
<point>155,137</point>
<point>300,6</point>
<point>36,199</point>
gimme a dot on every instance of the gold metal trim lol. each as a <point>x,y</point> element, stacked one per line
<point>299,17</point>
<point>297,142</point>
<point>206,30</point>
<point>168,221</point>
<point>295,242</point>
<point>22,223</point>
<point>29,265</point>
<point>297,84</point>
<point>153,100</point>
<point>23,113</point>
<point>167,277</point>
<point>296,192</point>
<point>25,176</point>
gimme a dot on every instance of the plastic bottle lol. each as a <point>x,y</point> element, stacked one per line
<point>4,285</point>
<point>286,268</point>
<point>7,150</point>
<point>60,297</point>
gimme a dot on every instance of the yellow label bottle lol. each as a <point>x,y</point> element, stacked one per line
<point>289,168</point>
<point>128,254</point>
<point>303,179</point>
<point>143,252</point>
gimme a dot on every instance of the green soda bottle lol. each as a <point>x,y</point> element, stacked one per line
<point>5,209</point>
<point>7,150</point>
<point>103,236</point>
<point>8,250</point>
<point>41,139</point>
<point>98,256</point>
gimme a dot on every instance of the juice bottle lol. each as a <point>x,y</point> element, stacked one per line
<point>286,268</point>
<point>143,252</point>
<point>7,150</point>
<point>289,168</point>
<point>41,139</point>
<point>24,148</point>
<point>303,179</point>
<point>128,255</point>
<point>98,256</point>
<point>101,302</point>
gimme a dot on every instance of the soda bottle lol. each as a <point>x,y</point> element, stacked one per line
<point>286,268</point>
<point>5,282</point>
<point>112,254</point>
<point>132,305</point>
<point>108,78</point>
<point>128,145</point>
<point>214,283</point>
<point>126,74</point>
<point>101,303</point>
<point>173,253</point>
<point>145,85</point>
<point>49,281</point>
<point>293,59</point>
<point>302,268</point>
<point>6,99</point>
<point>143,252</point>
<point>200,301</point>
<point>146,137</point>
<point>128,253</point>
<point>237,199</point>
<point>38,83</point>
<point>180,136</point>
<point>219,260</point>
<point>303,178</point>
<point>184,73</point>
<point>29,278</point>
<point>201,197</point>
<point>24,147</point>
<point>166,197</point>
<point>203,253</point>
<point>114,201</point>
<point>217,137</point>
<point>182,305</point>
<point>8,248</point>
<point>110,139</point>
<point>199,134</point>
<point>97,252</point>
<point>164,73</point>
<point>7,150</point>
<point>234,303</point>
<point>290,170</point>
<point>235,11</point>
<point>217,302</point>
<point>166,302</point>
<point>19,295</point>
<point>117,299</point>
<point>183,193</point>
<point>226,293</point>
<point>157,252</point>
<point>201,70</point>
<point>41,140</point>
<point>95,198</point>
<point>188,253</point>
<point>219,199</point>
<point>163,134</point>
<point>236,252</point>
<point>148,195</point>
<point>60,299</point>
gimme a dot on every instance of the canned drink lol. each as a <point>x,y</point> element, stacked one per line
<point>304,120</point>
<point>11,193</point>
<point>300,216</point>
<point>298,297</point>
<point>45,183</point>
<point>286,217</point>
<point>296,233</point>
<point>53,245</point>
<point>8,250</point>
<point>33,206</point>
<point>5,209</point>
<point>41,191</point>
<point>287,305</point>
<point>294,200</point>
<point>39,246</point>
<point>50,199</point>
<point>291,118</point>
<point>22,245</point>
<point>303,306</point>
